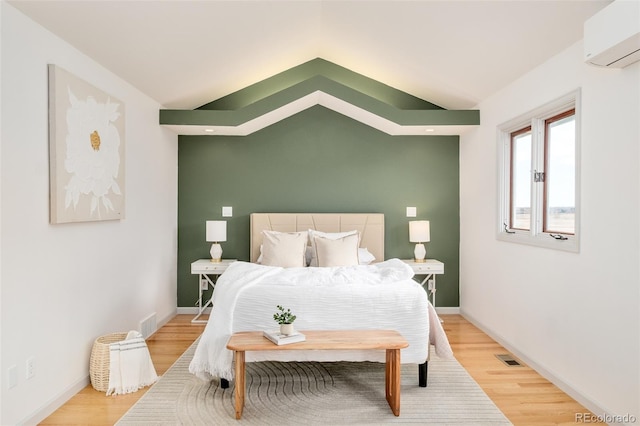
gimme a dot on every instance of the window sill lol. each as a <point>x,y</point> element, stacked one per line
<point>542,240</point>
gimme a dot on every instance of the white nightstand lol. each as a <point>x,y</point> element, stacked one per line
<point>429,268</point>
<point>208,273</point>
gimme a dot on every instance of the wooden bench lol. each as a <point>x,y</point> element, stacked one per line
<point>389,340</point>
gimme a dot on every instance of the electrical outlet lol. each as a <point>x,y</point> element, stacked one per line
<point>204,284</point>
<point>12,374</point>
<point>31,368</point>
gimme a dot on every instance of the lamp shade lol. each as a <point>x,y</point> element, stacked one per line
<point>419,231</point>
<point>216,231</point>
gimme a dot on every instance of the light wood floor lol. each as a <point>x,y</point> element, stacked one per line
<point>523,395</point>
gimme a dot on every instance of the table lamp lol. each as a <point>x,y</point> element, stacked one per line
<point>216,233</point>
<point>419,233</point>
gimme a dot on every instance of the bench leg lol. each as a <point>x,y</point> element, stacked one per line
<point>422,374</point>
<point>240,378</point>
<point>392,380</point>
<point>224,383</point>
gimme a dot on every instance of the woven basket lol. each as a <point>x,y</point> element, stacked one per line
<point>99,362</point>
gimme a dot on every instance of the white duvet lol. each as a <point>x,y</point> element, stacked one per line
<point>378,296</point>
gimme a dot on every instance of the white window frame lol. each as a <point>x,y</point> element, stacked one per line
<point>536,119</point>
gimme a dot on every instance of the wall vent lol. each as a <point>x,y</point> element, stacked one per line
<point>509,360</point>
<point>148,326</point>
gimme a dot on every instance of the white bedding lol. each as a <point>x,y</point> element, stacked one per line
<point>378,296</point>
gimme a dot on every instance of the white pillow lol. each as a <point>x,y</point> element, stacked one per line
<point>285,249</point>
<point>307,256</point>
<point>330,235</point>
<point>337,252</point>
<point>365,257</point>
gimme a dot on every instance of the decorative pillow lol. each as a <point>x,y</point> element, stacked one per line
<point>337,252</point>
<point>365,257</point>
<point>285,249</point>
<point>330,235</point>
<point>307,256</point>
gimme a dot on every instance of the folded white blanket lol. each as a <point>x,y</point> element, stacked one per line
<point>130,365</point>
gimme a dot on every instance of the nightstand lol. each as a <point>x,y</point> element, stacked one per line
<point>429,268</point>
<point>208,273</point>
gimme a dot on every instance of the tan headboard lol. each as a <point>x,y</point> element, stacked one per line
<point>370,226</point>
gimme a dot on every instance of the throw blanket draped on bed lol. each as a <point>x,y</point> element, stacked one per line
<point>378,296</point>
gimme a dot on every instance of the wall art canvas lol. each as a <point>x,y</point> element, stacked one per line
<point>86,151</point>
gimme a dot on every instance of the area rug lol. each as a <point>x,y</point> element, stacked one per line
<point>313,393</point>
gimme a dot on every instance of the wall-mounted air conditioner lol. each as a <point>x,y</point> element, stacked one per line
<point>612,36</point>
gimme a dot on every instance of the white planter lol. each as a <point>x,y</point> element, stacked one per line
<point>286,329</point>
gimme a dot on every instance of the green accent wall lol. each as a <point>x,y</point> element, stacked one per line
<point>319,161</point>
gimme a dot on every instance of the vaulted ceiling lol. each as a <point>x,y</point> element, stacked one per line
<point>187,53</point>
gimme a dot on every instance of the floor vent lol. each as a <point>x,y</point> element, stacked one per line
<point>148,326</point>
<point>509,360</point>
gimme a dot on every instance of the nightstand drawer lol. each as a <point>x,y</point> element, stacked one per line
<point>428,268</point>
<point>205,266</point>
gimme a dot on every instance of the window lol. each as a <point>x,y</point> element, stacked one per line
<point>539,176</point>
<point>520,178</point>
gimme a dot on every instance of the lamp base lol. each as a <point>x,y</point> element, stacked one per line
<point>419,253</point>
<point>216,252</point>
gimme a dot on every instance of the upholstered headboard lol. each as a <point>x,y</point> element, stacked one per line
<point>370,226</point>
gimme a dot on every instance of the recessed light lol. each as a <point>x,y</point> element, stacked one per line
<point>209,130</point>
<point>429,130</point>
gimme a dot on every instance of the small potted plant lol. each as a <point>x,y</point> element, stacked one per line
<point>285,319</point>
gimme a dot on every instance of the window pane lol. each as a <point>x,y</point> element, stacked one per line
<point>561,174</point>
<point>521,180</point>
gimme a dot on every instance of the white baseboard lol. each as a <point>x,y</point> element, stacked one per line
<point>589,404</point>
<point>165,320</point>
<point>448,310</point>
<point>193,310</point>
<point>55,403</point>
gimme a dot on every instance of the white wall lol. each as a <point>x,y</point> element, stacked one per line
<point>573,316</point>
<point>2,375</point>
<point>64,285</point>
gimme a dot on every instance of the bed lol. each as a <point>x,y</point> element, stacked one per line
<point>378,294</point>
